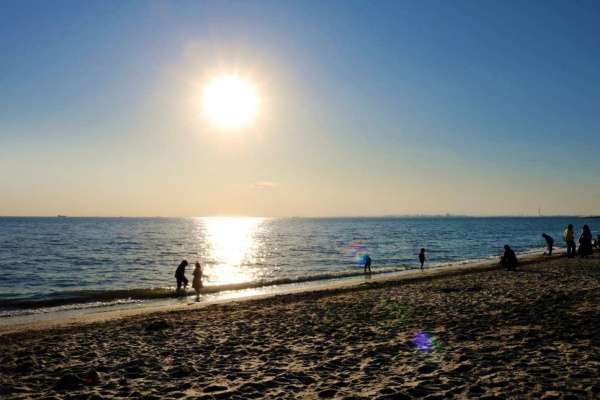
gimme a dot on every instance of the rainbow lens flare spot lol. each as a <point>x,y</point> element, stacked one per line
<point>358,251</point>
<point>427,344</point>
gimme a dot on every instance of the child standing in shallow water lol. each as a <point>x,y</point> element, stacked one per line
<point>422,258</point>
<point>197,282</point>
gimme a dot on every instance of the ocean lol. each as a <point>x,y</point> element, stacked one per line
<point>54,265</point>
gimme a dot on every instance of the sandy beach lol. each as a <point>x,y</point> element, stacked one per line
<point>471,333</point>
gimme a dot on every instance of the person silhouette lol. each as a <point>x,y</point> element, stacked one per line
<point>549,243</point>
<point>180,275</point>
<point>508,259</point>
<point>570,239</point>
<point>197,281</point>
<point>367,263</point>
<point>585,242</point>
<point>422,258</point>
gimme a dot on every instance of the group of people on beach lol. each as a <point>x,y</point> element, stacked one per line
<point>585,242</point>
<point>509,260</point>
<point>182,280</point>
<point>367,260</point>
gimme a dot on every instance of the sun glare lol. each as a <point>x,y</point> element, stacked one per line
<point>230,102</point>
<point>233,249</point>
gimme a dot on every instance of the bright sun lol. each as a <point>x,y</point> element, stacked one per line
<point>230,102</point>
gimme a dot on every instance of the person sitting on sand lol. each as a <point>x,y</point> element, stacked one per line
<point>180,275</point>
<point>197,281</point>
<point>422,258</point>
<point>549,243</point>
<point>367,263</point>
<point>509,259</point>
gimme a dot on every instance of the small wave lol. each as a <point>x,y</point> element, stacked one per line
<point>70,307</point>
<point>81,299</point>
<point>86,298</point>
<point>97,298</point>
<point>535,250</point>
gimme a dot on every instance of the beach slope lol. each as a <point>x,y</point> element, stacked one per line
<point>481,333</point>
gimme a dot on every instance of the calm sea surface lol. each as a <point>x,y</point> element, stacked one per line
<point>54,264</point>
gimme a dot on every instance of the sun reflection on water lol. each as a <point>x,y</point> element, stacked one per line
<point>232,250</point>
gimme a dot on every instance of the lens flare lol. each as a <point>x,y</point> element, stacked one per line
<point>358,251</point>
<point>423,341</point>
<point>427,345</point>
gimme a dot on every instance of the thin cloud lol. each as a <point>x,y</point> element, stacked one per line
<point>264,185</point>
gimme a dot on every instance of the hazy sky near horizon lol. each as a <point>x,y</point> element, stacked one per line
<point>366,108</point>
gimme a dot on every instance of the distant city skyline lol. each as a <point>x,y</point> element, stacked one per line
<point>362,108</point>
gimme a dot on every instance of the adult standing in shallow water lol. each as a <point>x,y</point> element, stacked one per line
<point>585,242</point>
<point>570,239</point>
<point>422,258</point>
<point>367,264</point>
<point>180,275</point>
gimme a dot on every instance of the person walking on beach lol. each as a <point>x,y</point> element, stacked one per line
<point>549,243</point>
<point>585,242</point>
<point>509,259</point>
<point>570,239</point>
<point>367,263</point>
<point>422,258</point>
<point>180,275</point>
<point>197,281</point>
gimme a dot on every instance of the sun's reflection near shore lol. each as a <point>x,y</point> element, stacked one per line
<point>232,250</point>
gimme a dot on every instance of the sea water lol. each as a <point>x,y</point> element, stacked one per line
<point>53,264</point>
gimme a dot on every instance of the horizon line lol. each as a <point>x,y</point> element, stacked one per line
<point>321,216</point>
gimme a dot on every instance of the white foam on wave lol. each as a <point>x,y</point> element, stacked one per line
<point>68,307</point>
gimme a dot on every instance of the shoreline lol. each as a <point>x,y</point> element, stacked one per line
<point>88,315</point>
<point>52,319</point>
<point>129,305</point>
<point>471,332</point>
<point>90,283</point>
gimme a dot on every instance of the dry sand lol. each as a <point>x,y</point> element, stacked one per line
<point>473,333</point>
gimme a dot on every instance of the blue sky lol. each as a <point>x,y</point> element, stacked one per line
<point>367,108</point>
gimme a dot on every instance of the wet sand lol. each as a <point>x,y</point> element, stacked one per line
<point>471,333</point>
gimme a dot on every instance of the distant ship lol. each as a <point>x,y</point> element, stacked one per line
<point>62,216</point>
